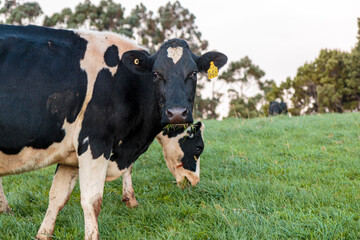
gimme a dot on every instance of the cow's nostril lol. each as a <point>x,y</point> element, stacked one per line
<point>184,113</point>
<point>169,113</point>
<point>177,115</point>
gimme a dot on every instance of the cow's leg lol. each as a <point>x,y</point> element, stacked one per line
<point>62,186</point>
<point>92,173</point>
<point>4,205</point>
<point>128,191</point>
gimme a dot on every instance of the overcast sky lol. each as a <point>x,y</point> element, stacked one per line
<point>278,35</point>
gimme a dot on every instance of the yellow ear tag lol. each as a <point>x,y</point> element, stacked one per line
<point>136,61</point>
<point>213,71</point>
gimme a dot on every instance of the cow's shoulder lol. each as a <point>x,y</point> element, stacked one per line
<point>112,99</point>
<point>101,61</point>
<point>107,42</point>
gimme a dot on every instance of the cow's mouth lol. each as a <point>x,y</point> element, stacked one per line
<point>186,181</point>
<point>177,126</point>
<point>183,183</point>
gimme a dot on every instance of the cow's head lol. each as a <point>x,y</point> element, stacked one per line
<point>182,148</point>
<point>174,71</point>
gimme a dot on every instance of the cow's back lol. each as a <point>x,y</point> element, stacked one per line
<point>41,85</point>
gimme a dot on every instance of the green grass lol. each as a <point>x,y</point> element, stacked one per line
<point>266,178</point>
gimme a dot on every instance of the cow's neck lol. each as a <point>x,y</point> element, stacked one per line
<point>143,122</point>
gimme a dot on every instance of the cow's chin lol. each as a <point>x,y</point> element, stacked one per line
<point>189,179</point>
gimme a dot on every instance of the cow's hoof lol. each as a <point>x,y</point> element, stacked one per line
<point>131,203</point>
<point>6,210</point>
<point>41,236</point>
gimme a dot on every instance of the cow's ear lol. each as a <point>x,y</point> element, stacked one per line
<point>137,61</point>
<point>200,127</point>
<point>196,128</point>
<point>218,58</point>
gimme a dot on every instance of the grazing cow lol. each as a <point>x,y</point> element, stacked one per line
<point>277,108</point>
<point>182,149</point>
<point>89,99</point>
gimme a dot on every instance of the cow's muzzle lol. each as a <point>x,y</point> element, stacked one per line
<point>178,115</point>
<point>187,181</point>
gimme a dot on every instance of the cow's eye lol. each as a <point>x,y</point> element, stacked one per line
<point>155,74</point>
<point>194,74</point>
<point>198,150</point>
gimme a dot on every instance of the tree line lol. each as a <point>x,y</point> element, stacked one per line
<point>330,83</point>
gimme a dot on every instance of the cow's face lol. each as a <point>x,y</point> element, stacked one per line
<point>182,148</point>
<point>174,71</point>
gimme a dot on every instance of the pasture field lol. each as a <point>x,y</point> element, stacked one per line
<point>265,178</point>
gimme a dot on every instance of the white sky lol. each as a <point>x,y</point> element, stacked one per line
<point>277,35</point>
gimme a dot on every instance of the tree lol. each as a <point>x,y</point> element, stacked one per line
<point>323,85</point>
<point>245,107</point>
<point>177,21</point>
<point>244,76</point>
<point>172,20</point>
<point>144,27</point>
<point>353,81</point>
<point>330,83</point>
<point>25,13</point>
<point>106,16</point>
<point>243,73</point>
<point>206,107</point>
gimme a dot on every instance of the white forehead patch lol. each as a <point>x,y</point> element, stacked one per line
<point>175,53</point>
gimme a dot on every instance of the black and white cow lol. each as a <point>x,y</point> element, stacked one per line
<point>182,149</point>
<point>277,108</point>
<point>89,99</point>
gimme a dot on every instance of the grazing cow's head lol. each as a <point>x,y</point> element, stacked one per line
<point>182,148</point>
<point>174,69</point>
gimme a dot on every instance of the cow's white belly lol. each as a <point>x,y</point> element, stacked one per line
<point>58,153</point>
<point>113,172</point>
<point>31,159</point>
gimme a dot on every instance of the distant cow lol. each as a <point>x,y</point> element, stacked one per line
<point>276,108</point>
<point>90,99</point>
<point>182,149</point>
